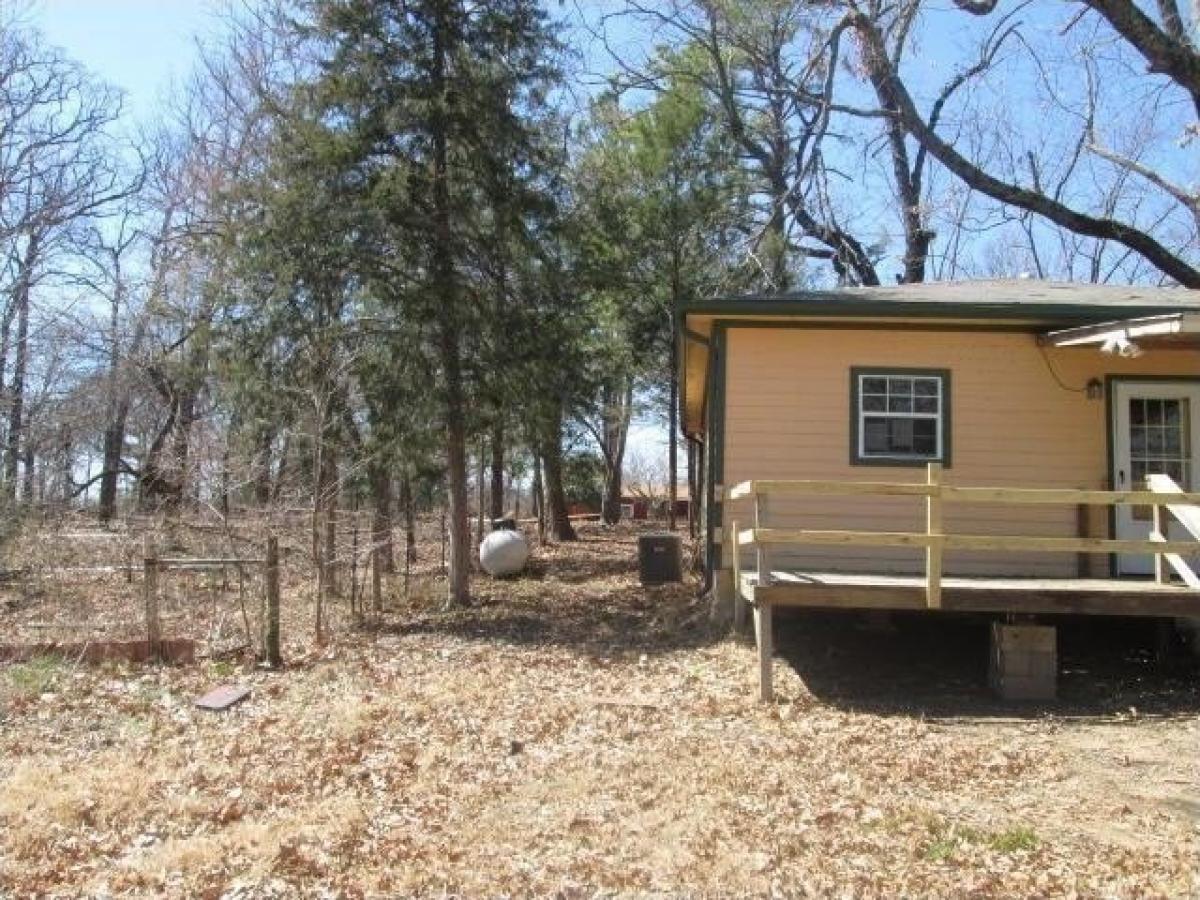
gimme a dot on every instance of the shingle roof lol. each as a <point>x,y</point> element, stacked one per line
<point>1004,297</point>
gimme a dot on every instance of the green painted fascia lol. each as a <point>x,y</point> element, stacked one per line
<point>716,448</point>
<point>947,416</point>
<point>823,304</point>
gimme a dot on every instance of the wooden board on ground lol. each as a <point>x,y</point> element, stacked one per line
<point>223,697</point>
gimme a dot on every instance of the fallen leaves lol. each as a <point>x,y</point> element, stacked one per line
<point>555,740</point>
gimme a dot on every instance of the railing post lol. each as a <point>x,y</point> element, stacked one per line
<point>762,556</point>
<point>739,601</point>
<point>150,591</point>
<point>934,531</point>
<point>1160,559</point>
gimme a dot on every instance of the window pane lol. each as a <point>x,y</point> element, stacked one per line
<point>900,404</point>
<point>875,436</point>
<point>874,404</point>
<point>1137,412</point>
<point>900,387</point>
<point>927,387</point>
<point>1154,412</point>
<point>925,436</point>
<point>1171,412</point>
<point>926,404</point>
<point>874,385</point>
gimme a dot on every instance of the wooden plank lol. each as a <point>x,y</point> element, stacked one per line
<point>223,697</point>
<point>957,598</point>
<point>765,642</point>
<point>954,493</point>
<point>739,599</point>
<point>997,542</point>
<point>933,529</point>
<point>1181,507</point>
<point>763,557</point>
<point>1158,533</point>
<point>836,488</point>
<point>1177,562</point>
<point>1050,496</point>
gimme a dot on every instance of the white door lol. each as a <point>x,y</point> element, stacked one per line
<point>1156,429</point>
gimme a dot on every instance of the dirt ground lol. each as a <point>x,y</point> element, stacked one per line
<point>574,734</point>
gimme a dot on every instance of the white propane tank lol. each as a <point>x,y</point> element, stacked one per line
<point>503,553</point>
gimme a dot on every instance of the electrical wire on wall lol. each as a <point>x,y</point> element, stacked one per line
<point>1050,368</point>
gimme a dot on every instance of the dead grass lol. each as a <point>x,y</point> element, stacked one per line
<point>573,734</point>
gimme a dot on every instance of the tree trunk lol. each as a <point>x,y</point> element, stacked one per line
<point>329,551</point>
<point>497,494</point>
<point>410,519</point>
<point>271,642</point>
<point>445,286</point>
<point>262,467</point>
<point>114,446</point>
<point>480,490</point>
<point>12,453</point>
<point>556,497</point>
<point>618,410</point>
<point>381,520</point>
<point>538,499</point>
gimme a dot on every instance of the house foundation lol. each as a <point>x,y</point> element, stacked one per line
<point>1024,661</point>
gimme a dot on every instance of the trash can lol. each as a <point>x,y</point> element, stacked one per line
<point>660,558</point>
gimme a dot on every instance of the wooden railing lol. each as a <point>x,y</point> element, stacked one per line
<point>1164,497</point>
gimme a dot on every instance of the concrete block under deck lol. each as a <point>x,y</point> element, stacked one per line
<point>1024,661</point>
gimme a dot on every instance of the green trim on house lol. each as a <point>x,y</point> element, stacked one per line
<point>947,417</point>
<point>716,448</point>
<point>837,306</point>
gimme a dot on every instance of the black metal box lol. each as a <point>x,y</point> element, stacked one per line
<point>660,558</point>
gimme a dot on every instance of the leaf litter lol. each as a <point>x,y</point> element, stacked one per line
<point>570,734</point>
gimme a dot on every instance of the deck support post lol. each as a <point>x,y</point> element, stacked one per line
<point>765,641</point>
<point>935,531</point>
<point>739,599</point>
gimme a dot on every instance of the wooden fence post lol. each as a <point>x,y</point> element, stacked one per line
<point>934,530</point>
<point>274,657</point>
<point>150,593</point>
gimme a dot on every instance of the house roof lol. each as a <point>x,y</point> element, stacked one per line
<point>1026,304</point>
<point>1001,298</point>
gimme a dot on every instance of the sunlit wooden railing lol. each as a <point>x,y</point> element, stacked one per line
<point>1164,496</point>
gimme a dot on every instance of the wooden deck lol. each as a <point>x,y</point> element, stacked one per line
<point>1064,596</point>
<point>766,587</point>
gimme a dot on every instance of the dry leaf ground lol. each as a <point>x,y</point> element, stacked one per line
<point>574,734</point>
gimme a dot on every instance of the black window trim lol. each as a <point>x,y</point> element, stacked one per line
<point>856,375</point>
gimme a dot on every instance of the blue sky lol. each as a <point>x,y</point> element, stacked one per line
<point>138,45</point>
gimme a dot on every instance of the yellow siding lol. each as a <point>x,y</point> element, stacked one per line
<point>787,416</point>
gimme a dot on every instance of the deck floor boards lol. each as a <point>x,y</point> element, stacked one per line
<point>1075,596</point>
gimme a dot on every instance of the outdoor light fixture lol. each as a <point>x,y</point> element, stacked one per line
<point>1121,345</point>
<point>1095,389</point>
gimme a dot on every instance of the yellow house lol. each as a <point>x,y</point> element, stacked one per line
<point>827,409</point>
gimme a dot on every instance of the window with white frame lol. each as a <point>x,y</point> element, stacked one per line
<point>900,416</point>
